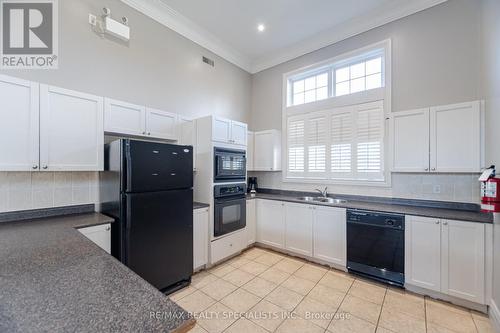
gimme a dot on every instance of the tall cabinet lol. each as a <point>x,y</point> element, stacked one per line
<point>438,139</point>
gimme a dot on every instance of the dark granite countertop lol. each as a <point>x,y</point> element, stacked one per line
<point>198,205</point>
<point>53,279</point>
<point>406,209</point>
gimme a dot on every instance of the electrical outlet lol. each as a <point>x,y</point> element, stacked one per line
<point>437,189</point>
<point>92,20</point>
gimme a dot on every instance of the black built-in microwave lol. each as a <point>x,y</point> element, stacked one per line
<point>229,165</point>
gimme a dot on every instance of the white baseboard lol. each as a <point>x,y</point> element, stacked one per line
<point>495,316</point>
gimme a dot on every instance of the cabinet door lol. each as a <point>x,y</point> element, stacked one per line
<point>463,260</point>
<point>298,228</point>
<point>187,135</point>
<point>161,124</point>
<point>330,235</point>
<point>251,223</point>
<point>271,223</point>
<point>71,130</point>
<point>200,238</point>
<point>423,252</point>
<point>221,130</point>
<point>100,235</point>
<point>456,138</point>
<point>239,133</point>
<point>410,140</point>
<point>19,131</point>
<point>250,151</point>
<point>263,156</point>
<point>124,118</point>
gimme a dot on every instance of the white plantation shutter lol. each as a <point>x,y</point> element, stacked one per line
<point>341,144</point>
<point>370,137</point>
<point>316,144</point>
<point>344,144</point>
<point>296,144</point>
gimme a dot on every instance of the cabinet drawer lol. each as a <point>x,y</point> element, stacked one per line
<point>228,246</point>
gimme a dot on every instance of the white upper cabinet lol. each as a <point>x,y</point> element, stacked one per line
<point>161,124</point>
<point>439,139</point>
<point>221,129</point>
<point>71,130</point>
<point>330,235</point>
<point>19,125</point>
<point>250,151</point>
<point>299,228</point>
<point>463,261</point>
<point>186,133</point>
<point>267,151</point>
<point>455,138</point>
<point>410,130</point>
<point>423,252</point>
<point>229,131</point>
<point>239,133</point>
<point>271,223</point>
<point>124,118</point>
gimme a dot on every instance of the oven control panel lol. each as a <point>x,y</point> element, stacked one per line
<point>221,191</point>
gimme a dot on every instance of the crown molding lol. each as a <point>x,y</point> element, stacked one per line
<point>163,14</point>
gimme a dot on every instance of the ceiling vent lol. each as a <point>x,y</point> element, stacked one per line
<point>209,61</point>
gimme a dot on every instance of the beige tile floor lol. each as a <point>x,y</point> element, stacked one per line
<point>265,291</point>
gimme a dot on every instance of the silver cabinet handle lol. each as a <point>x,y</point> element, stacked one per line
<point>35,167</point>
<point>426,169</point>
<point>144,133</point>
<point>437,222</point>
<point>149,133</point>
<point>445,223</point>
<point>45,167</point>
<point>108,228</point>
<point>433,169</point>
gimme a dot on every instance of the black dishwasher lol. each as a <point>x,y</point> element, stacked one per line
<point>376,245</point>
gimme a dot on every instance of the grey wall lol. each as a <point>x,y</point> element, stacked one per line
<point>435,60</point>
<point>491,90</point>
<point>158,67</point>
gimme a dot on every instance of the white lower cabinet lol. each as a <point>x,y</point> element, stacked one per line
<point>251,227</point>
<point>271,223</point>
<point>446,256</point>
<point>100,235</point>
<point>423,252</point>
<point>329,235</point>
<point>200,238</point>
<point>299,228</point>
<point>463,260</point>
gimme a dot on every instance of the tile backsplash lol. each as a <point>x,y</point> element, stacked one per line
<point>35,190</point>
<point>440,187</point>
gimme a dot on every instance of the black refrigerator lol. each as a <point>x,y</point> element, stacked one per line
<point>148,188</point>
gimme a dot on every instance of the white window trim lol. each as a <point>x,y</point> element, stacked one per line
<point>380,94</point>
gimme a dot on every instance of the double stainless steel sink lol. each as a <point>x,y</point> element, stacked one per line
<point>326,200</point>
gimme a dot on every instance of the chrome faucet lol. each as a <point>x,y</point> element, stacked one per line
<point>324,193</point>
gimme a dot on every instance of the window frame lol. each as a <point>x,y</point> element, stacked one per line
<point>383,94</point>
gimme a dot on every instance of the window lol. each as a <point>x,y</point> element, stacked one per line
<point>354,135</point>
<point>362,76</point>
<point>344,77</point>
<point>310,89</point>
<point>335,117</point>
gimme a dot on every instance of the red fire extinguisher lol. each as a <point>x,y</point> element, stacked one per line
<point>490,191</point>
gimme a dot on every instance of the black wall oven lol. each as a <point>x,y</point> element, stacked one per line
<point>376,245</point>
<point>229,165</point>
<point>229,209</point>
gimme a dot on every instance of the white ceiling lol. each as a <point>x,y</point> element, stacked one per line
<point>293,27</point>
